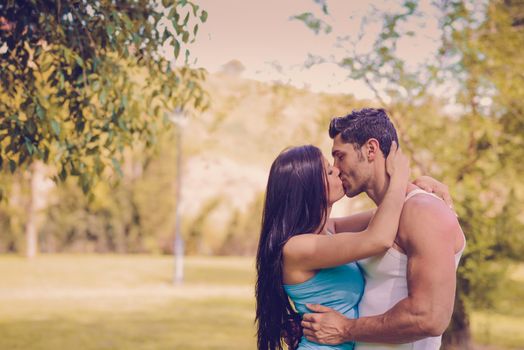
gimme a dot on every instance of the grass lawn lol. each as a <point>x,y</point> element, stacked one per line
<point>125,302</point>
<point>504,325</point>
<point>85,302</point>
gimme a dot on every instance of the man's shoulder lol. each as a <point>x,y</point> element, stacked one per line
<point>424,214</point>
<point>425,205</point>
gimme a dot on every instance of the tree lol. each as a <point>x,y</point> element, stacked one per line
<point>474,147</point>
<point>81,79</point>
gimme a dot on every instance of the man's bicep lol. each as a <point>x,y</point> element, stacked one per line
<point>431,265</point>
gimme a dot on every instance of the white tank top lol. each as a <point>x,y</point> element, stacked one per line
<point>386,285</point>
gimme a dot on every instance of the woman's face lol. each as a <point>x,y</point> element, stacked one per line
<point>335,188</point>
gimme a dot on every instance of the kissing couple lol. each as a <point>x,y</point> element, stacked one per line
<point>379,279</point>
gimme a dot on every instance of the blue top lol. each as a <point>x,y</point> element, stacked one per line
<point>339,288</point>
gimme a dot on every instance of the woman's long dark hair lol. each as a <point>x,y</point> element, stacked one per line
<point>295,203</point>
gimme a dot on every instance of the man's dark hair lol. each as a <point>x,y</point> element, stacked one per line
<point>361,125</point>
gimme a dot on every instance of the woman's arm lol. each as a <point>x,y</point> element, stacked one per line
<point>353,223</point>
<point>312,251</point>
<point>360,221</point>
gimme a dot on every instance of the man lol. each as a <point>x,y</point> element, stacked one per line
<point>410,289</point>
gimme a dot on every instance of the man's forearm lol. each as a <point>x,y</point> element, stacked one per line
<point>403,323</point>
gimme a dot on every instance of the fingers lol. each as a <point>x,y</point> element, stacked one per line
<point>390,160</point>
<point>308,317</point>
<point>394,147</point>
<point>306,325</point>
<point>424,187</point>
<point>447,199</point>
<point>429,184</point>
<point>311,318</point>
<point>310,335</point>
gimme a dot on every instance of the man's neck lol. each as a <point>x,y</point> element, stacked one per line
<point>379,186</point>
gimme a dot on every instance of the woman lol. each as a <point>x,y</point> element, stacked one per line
<point>299,259</point>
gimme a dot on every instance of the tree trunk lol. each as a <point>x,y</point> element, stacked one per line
<point>39,186</point>
<point>458,335</point>
<point>30,228</point>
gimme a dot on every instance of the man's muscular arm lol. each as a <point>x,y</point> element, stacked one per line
<point>428,231</point>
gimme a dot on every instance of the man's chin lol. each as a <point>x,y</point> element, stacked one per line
<point>350,194</point>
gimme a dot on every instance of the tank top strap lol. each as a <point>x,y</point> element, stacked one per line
<point>418,191</point>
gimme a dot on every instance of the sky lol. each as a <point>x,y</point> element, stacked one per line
<point>274,48</point>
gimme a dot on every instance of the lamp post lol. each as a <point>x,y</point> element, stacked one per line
<point>179,119</point>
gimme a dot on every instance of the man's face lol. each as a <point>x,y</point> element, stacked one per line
<point>354,169</point>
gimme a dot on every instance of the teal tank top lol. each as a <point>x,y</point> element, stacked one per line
<point>339,288</point>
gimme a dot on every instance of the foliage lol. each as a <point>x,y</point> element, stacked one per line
<point>197,226</point>
<point>476,148</point>
<point>133,215</point>
<point>243,229</point>
<point>12,214</point>
<point>82,79</point>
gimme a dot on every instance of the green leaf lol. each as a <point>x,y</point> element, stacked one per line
<point>56,127</point>
<point>116,166</point>
<point>28,145</point>
<point>127,22</point>
<point>102,97</point>
<point>44,67</point>
<point>30,126</point>
<point>80,61</point>
<point>177,48</point>
<point>85,182</point>
<point>80,125</point>
<point>110,30</point>
<point>195,9</point>
<point>40,112</point>
<point>63,174</point>
<point>313,23</point>
<point>185,37</point>
<point>92,151</point>
<point>195,30</point>
<point>203,16</point>
<point>46,154</point>
<point>12,166</point>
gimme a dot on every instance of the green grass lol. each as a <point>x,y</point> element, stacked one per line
<point>503,325</point>
<point>128,302</point>
<point>102,302</point>
<point>493,328</point>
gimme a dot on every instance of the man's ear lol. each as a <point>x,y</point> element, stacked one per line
<point>372,149</point>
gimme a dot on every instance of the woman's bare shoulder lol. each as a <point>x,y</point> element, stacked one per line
<point>300,245</point>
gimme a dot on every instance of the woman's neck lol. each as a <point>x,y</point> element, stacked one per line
<point>323,229</point>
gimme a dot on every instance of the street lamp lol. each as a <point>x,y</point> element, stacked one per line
<point>179,119</point>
